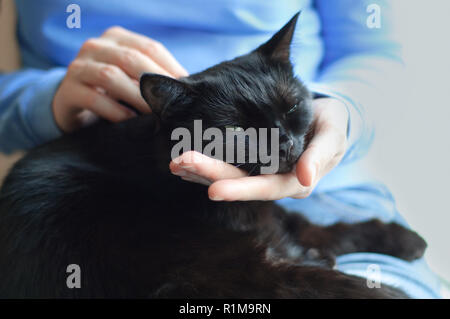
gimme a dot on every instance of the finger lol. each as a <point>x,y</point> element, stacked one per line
<point>324,152</point>
<point>100,104</point>
<point>194,163</point>
<point>261,187</point>
<point>114,81</point>
<point>149,47</point>
<point>196,179</point>
<point>131,61</point>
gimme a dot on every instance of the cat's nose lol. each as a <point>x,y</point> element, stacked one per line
<point>286,148</point>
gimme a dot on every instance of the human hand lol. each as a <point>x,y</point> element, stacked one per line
<point>229,183</point>
<point>105,71</point>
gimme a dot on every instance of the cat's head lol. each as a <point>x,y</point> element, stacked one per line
<point>257,90</point>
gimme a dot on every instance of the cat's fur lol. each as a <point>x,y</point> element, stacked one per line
<point>104,199</point>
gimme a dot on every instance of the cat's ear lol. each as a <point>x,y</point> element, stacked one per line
<point>160,91</point>
<point>278,47</point>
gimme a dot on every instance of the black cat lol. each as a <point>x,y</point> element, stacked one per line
<point>104,199</point>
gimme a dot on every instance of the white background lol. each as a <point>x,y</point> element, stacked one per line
<point>411,152</point>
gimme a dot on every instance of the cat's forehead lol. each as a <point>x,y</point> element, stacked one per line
<point>248,78</point>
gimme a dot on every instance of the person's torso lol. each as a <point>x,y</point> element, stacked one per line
<point>200,33</point>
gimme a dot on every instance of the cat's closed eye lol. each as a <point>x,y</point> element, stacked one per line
<point>293,109</point>
<point>234,128</point>
<point>296,107</point>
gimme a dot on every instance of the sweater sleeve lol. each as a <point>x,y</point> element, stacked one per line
<point>26,117</point>
<point>359,54</point>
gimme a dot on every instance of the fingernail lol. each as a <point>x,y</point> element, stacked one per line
<point>189,168</point>
<point>180,173</point>
<point>182,72</point>
<point>196,179</point>
<point>216,198</point>
<point>313,174</point>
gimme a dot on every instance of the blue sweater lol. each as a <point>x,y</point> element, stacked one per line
<point>334,52</point>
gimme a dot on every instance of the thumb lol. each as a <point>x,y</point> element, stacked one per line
<point>322,154</point>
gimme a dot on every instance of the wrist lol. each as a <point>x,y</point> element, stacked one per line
<point>39,113</point>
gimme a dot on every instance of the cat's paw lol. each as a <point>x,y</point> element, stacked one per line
<point>393,239</point>
<point>408,245</point>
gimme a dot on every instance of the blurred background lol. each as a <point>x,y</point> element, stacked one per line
<point>411,151</point>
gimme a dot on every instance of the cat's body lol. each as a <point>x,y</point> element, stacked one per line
<point>104,199</point>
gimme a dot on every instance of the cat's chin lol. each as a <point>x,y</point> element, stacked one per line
<point>283,167</point>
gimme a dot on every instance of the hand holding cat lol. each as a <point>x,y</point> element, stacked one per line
<point>107,70</point>
<point>324,151</point>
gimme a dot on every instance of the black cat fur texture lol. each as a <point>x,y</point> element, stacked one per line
<point>103,198</point>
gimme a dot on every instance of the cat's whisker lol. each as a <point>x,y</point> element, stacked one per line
<point>239,165</point>
<point>257,165</point>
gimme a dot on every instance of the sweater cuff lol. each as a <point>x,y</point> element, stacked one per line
<point>359,132</point>
<point>39,113</point>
